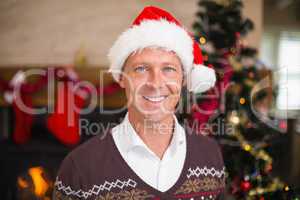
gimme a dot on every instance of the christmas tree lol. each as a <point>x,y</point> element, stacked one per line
<point>248,137</point>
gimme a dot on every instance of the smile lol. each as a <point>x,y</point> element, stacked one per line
<point>155,99</point>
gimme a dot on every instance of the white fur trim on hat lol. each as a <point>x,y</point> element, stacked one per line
<point>161,33</point>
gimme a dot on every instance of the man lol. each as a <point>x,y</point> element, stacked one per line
<point>149,155</point>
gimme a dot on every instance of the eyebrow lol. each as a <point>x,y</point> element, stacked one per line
<point>168,63</point>
<point>140,63</point>
<point>149,64</point>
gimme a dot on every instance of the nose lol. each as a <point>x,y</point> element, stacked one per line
<point>155,79</point>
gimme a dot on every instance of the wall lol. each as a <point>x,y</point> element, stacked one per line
<point>254,10</point>
<point>45,32</point>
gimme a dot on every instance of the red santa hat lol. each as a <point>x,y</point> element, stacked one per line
<point>157,27</point>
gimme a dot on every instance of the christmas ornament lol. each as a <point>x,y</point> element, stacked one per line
<point>245,186</point>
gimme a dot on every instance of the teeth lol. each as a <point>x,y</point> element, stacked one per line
<point>155,99</point>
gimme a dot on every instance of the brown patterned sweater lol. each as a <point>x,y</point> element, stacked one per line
<point>96,170</point>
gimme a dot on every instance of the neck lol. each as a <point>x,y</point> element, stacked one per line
<point>156,135</point>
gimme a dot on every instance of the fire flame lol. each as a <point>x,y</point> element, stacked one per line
<point>40,184</point>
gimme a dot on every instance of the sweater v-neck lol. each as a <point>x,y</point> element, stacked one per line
<point>130,172</point>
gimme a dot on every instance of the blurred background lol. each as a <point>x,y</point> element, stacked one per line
<point>49,47</point>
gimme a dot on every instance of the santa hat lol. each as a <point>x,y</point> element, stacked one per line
<point>157,27</point>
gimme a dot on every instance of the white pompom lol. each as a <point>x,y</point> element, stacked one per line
<point>9,97</point>
<point>18,79</point>
<point>201,79</point>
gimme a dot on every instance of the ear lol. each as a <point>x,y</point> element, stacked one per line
<point>184,81</point>
<point>183,77</point>
<point>121,81</point>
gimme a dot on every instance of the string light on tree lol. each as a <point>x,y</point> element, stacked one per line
<point>247,147</point>
<point>202,40</point>
<point>234,118</point>
<point>242,100</point>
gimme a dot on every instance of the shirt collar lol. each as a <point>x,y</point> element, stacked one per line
<point>129,139</point>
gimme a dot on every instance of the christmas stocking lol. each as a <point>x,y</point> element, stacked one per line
<point>23,120</point>
<point>64,122</point>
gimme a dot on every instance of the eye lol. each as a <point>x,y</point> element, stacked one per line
<point>140,68</point>
<point>169,69</point>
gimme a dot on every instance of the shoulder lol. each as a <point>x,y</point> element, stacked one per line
<point>204,149</point>
<point>201,141</point>
<point>84,158</point>
<point>92,147</point>
<point>93,153</point>
<point>79,170</point>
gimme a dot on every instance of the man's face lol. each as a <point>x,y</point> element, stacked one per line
<point>152,79</point>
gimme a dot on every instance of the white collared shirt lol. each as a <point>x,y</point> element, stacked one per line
<point>161,174</point>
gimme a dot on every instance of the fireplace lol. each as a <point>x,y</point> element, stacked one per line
<point>28,171</point>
